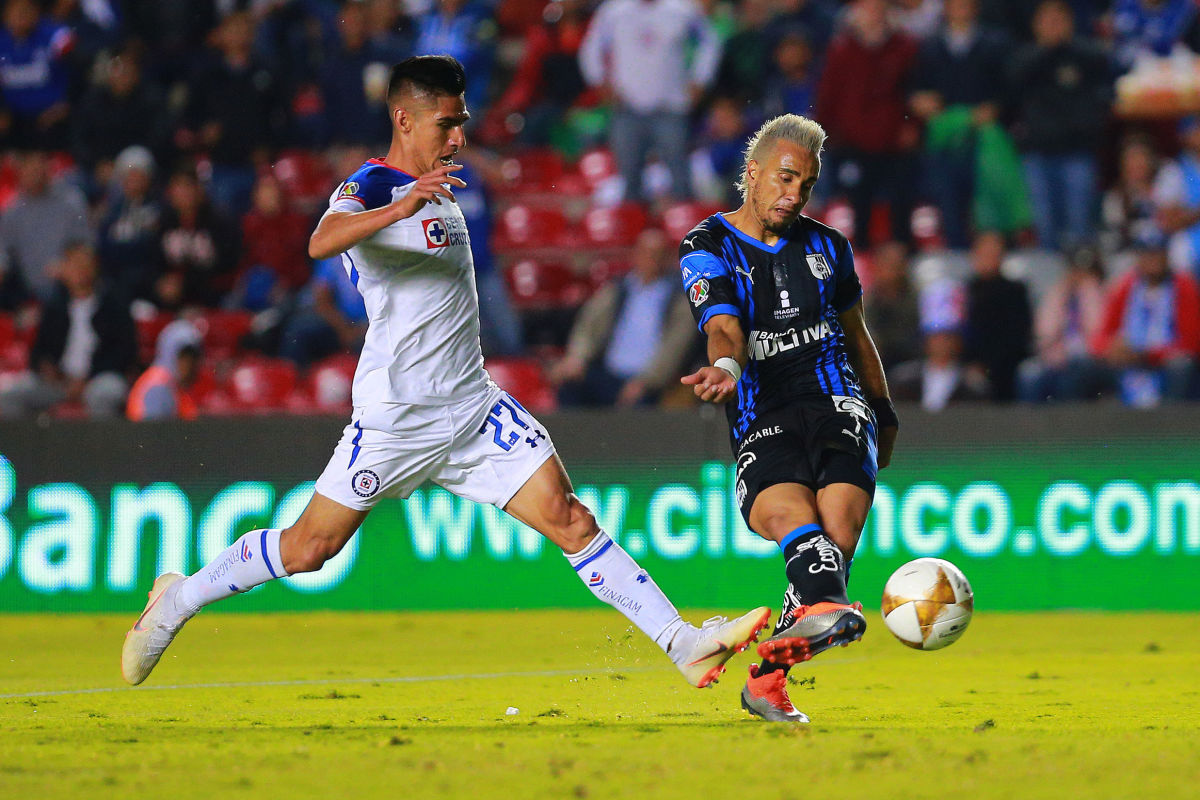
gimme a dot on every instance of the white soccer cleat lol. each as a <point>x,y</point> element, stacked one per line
<point>154,630</point>
<point>717,641</point>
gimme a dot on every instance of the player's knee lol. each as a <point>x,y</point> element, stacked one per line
<point>776,522</point>
<point>577,525</point>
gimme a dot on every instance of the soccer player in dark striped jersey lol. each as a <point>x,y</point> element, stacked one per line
<point>810,419</point>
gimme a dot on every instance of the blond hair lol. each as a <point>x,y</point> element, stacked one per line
<point>801,131</point>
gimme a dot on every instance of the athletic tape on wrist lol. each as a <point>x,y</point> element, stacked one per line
<point>731,366</point>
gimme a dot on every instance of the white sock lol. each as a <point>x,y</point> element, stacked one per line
<point>616,579</point>
<point>253,559</point>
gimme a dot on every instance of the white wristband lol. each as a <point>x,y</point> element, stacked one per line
<point>731,366</point>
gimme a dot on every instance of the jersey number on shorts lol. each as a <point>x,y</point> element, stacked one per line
<point>505,440</point>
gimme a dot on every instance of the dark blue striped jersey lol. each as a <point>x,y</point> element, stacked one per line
<point>788,297</point>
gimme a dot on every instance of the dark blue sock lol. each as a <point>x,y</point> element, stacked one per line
<point>816,573</point>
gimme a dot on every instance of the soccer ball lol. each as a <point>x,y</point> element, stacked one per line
<point>927,603</point>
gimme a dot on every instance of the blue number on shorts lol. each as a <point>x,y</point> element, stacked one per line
<point>506,441</point>
<point>494,420</point>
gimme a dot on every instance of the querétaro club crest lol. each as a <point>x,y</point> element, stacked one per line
<point>818,266</point>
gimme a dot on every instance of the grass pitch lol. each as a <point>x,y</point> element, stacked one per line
<point>413,705</point>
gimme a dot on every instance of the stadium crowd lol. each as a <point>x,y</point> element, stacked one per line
<point>1020,178</point>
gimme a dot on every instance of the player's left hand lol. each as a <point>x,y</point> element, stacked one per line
<point>711,384</point>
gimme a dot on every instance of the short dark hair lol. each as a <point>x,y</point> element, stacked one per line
<point>435,75</point>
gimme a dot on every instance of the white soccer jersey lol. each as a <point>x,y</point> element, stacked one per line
<point>417,280</point>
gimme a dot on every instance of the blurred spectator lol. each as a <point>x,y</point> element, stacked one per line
<point>1130,204</point>
<point>1062,91</point>
<point>630,338</point>
<point>95,26</point>
<point>499,329</point>
<point>129,228</point>
<point>792,81</point>
<point>85,347</point>
<point>812,19</point>
<point>999,320</point>
<point>1150,331</point>
<point>958,87</point>
<point>918,18</point>
<point>330,317</point>
<point>197,248</point>
<point>717,163</point>
<point>234,113</point>
<point>354,111</point>
<point>1015,17</point>
<point>746,59</point>
<point>1067,319</point>
<point>862,103</point>
<point>548,79</point>
<point>939,378</point>
<point>33,77</point>
<point>464,30</point>
<point>892,305</point>
<point>178,29</point>
<point>1153,28</point>
<point>119,111</point>
<point>46,216</point>
<point>389,32</point>
<point>163,391</point>
<point>1177,197</point>
<point>655,58</point>
<point>274,248</point>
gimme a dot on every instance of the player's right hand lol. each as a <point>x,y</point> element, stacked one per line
<point>430,188</point>
<point>711,384</point>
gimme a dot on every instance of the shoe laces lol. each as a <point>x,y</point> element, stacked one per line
<point>713,622</point>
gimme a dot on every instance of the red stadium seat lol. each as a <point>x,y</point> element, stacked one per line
<point>522,227</point>
<point>614,227</point>
<point>603,270</point>
<point>537,284</point>
<point>523,379</point>
<point>223,332</point>
<point>260,384</point>
<point>147,334</point>
<point>678,219</point>
<point>306,176</point>
<point>533,170</point>
<point>330,382</point>
<point>597,166</point>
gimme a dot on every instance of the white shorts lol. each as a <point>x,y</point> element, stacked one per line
<point>483,449</point>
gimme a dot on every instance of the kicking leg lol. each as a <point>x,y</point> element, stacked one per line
<point>816,613</point>
<point>547,503</point>
<point>254,558</point>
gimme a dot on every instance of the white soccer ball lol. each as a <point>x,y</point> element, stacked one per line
<point>927,603</point>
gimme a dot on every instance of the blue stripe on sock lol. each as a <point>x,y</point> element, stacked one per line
<point>593,556</point>
<point>262,543</point>
<point>803,530</point>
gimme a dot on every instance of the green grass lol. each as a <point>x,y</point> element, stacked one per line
<point>1029,706</point>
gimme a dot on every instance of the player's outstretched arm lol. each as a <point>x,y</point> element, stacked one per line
<point>338,231</point>
<point>727,353</point>
<point>869,368</point>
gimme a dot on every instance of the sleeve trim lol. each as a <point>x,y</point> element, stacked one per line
<point>712,311</point>
<point>850,303</point>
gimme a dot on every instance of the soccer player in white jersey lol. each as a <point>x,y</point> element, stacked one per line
<point>424,408</point>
